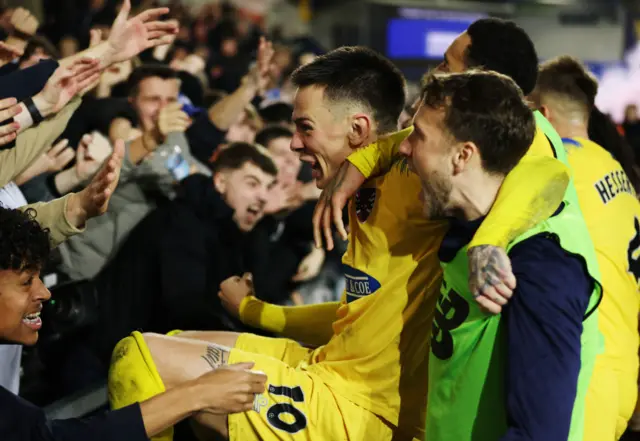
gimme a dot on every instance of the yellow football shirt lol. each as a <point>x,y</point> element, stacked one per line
<point>380,349</point>
<point>378,354</point>
<point>612,212</point>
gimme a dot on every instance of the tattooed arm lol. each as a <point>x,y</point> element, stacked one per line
<point>518,207</point>
<point>490,277</point>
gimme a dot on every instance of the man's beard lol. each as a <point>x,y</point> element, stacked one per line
<point>436,191</point>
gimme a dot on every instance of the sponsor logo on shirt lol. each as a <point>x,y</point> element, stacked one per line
<point>358,284</point>
<point>365,200</point>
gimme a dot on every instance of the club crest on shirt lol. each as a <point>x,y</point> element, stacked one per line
<point>365,200</point>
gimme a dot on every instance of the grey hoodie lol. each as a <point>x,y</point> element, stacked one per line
<point>84,255</point>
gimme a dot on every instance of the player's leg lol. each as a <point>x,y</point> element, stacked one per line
<point>223,338</point>
<point>180,359</point>
<point>296,406</point>
<point>280,413</point>
<point>283,349</point>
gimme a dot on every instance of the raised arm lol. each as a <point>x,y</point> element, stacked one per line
<point>309,324</point>
<point>129,36</point>
<point>68,215</point>
<point>226,111</point>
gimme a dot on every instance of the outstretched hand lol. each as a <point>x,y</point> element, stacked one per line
<point>65,83</point>
<point>130,36</point>
<point>9,52</point>
<point>94,199</point>
<point>261,74</point>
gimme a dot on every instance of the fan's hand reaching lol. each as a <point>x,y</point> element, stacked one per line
<point>261,74</point>
<point>65,83</point>
<point>130,36</point>
<point>94,199</point>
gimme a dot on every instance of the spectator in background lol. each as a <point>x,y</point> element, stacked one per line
<point>293,257</point>
<point>68,46</point>
<point>227,67</point>
<point>156,159</point>
<point>278,113</point>
<point>167,274</point>
<point>231,118</point>
<point>23,251</point>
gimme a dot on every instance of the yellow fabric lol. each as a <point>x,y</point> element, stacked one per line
<point>611,210</point>
<point>377,357</point>
<point>610,401</point>
<point>310,324</point>
<point>288,351</point>
<point>318,412</point>
<point>133,377</point>
<point>379,157</point>
<point>518,206</point>
<point>531,193</point>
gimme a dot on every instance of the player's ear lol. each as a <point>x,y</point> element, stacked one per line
<point>463,155</point>
<point>545,111</point>
<point>360,130</point>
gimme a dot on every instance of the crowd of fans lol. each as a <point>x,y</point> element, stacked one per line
<point>208,188</point>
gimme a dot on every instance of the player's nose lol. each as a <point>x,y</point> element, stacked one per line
<point>296,142</point>
<point>405,148</point>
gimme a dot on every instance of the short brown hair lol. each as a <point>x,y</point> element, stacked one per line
<point>486,108</point>
<point>360,75</point>
<point>238,154</point>
<point>141,73</point>
<point>568,78</point>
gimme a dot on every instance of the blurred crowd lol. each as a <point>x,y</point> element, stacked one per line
<point>209,187</point>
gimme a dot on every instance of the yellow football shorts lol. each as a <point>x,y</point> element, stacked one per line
<point>297,405</point>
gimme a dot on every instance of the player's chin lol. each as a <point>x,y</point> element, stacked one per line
<point>22,336</point>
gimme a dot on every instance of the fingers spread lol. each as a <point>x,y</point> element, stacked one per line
<point>151,14</point>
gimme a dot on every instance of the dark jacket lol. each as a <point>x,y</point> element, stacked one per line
<point>22,421</point>
<point>168,273</point>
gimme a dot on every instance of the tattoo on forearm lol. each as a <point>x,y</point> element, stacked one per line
<point>486,264</point>
<point>215,356</point>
